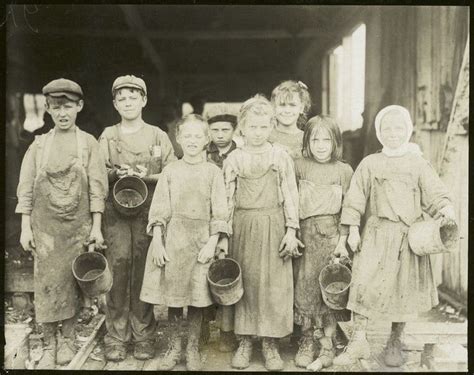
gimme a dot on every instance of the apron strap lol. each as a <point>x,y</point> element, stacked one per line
<point>46,149</point>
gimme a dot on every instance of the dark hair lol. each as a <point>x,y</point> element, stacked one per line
<point>189,118</point>
<point>285,91</point>
<point>132,89</point>
<point>323,122</point>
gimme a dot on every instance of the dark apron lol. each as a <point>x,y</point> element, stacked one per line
<point>61,223</point>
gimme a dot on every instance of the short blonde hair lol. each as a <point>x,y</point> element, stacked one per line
<point>258,105</point>
<point>193,118</point>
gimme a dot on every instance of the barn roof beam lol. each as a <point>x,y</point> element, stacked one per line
<point>190,34</point>
<point>135,23</point>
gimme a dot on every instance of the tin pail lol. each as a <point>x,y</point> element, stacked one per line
<point>335,280</point>
<point>432,237</point>
<point>129,195</point>
<point>92,273</point>
<point>225,281</point>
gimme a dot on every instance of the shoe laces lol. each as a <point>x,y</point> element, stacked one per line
<point>306,343</point>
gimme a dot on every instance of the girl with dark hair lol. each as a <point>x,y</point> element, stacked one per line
<point>322,180</point>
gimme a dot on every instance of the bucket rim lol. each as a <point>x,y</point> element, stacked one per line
<point>140,181</point>
<point>226,285</point>
<point>82,255</point>
<point>345,288</point>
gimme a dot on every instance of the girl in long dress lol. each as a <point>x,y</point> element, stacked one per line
<point>389,281</point>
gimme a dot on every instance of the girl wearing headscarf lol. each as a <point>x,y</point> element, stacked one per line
<point>389,281</point>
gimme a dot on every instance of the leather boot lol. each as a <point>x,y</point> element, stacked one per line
<point>393,351</point>
<point>273,361</point>
<point>173,355</point>
<point>306,350</point>
<point>326,355</point>
<point>227,342</point>
<point>358,348</point>
<point>66,350</point>
<point>48,360</point>
<point>241,358</point>
<point>193,357</point>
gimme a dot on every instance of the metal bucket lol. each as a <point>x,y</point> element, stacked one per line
<point>129,195</point>
<point>92,273</point>
<point>334,281</point>
<point>432,237</point>
<point>225,281</point>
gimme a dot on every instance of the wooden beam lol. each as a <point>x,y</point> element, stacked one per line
<point>307,33</point>
<point>135,23</point>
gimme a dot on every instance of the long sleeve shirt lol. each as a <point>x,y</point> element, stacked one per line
<point>397,189</point>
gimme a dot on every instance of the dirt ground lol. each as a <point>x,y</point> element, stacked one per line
<point>214,360</point>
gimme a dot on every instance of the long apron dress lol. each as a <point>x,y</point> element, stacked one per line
<point>61,223</point>
<point>266,308</point>
<point>320,234</point>
<point>389,281</point>
<point>190,204</point>
<point>127,246</point>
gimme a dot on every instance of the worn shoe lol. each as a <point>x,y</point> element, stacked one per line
<point>144,350</point>
<point>205,333</point>
<point>115,352</point>
<point>193,357</point>
<point>356,349</point>
<point>227,342</point>
<point>173,355</point>
<point>325,357</point>
<point>65,350</point>
<point>306,352</point>
<point>241,359</point>
<point>273,361</point>
<point>48,360</point>
<point>392,355</point>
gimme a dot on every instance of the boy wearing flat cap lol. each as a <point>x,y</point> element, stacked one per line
<point>130,147</point>
<point>222,125</point>
<point>61,194</point>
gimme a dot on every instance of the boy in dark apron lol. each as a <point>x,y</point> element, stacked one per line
<point>61,194</point>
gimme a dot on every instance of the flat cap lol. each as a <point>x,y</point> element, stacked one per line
<point>129,81</point>
<point>63,87</point>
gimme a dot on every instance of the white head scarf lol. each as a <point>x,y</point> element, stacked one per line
<point>406,146</point>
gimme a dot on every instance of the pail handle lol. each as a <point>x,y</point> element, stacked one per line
<point>91,247</point>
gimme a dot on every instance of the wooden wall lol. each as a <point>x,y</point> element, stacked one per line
<point>413,58</point>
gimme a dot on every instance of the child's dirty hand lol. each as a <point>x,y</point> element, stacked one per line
<point>447,213</point>
<point>206,253</point>
<point>222,246</point>
<point>159,255</point>
<point>97,238</point>
<point>27,240</point>
<point>142,171</point>
<point>354,239</point>
<point>289,245</point>
<point>340,251</point>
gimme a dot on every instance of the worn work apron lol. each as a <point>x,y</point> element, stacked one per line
<point>266,308</point>
<point>61,223</point>
<point>127,246</point>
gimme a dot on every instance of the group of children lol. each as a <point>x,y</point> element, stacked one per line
<point>283,206</point>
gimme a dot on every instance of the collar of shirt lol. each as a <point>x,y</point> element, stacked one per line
<point>212,148</point>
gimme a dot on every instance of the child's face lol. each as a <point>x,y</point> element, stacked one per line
<point>221,133</point>
<point>129,103</point>
<point>288,111</point>
<point>63,112</point>
<point>393,132</point>
<point>192,138</point>
<point>321,145</point>
<point>257,129</point>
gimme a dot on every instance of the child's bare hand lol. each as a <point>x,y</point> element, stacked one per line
<point>222,246</point>
<point>354,239</point>
<point>447,213</point>
<point>159,255</point>
<point>27,240</point>
<point>142,171</point>
<point>341,251</point>
<point>289,245</point>
<point>206,253</point>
